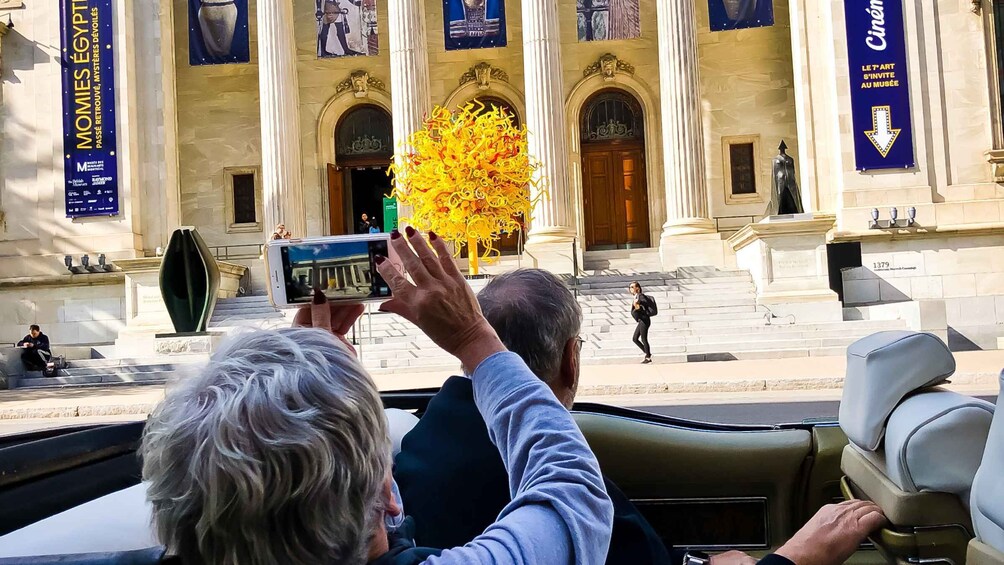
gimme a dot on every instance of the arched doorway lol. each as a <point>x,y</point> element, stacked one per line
<point>509,243</point>
<point>615,196</point>
<point>364,148</point>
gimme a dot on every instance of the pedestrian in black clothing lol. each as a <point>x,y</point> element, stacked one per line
<point>641,310</point>
<point>36,352</point>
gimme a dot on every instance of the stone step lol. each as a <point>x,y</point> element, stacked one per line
<point>120,370</point>
<point>93,380</point>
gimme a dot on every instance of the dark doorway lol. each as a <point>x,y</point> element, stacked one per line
<point>369,187</point>
<point>840,256</point>
<point>359,182</point>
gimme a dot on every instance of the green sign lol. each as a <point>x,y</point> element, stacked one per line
<point>389,214</point>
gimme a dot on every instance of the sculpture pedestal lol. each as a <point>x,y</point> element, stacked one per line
<point>146,314</point>
<point>786,256</point>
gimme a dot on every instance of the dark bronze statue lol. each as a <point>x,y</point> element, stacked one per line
<point>785,197</point>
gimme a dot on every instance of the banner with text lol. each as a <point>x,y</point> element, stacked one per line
<point>880,93</point>
<point>218,32</point>
<point>474,24</point>
<point>91,166</point>
<point>727,15</point>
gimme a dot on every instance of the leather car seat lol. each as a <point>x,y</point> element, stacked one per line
<point>987,500</point>
<point>914,448</point>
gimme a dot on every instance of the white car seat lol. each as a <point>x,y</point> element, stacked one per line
<point>121,521</point>
<point>988,496</point>
<point>914,448</point>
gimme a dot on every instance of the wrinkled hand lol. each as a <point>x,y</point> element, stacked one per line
<point>732,558</point>
<point>834,533</point>
<point>440,302</point>
<point>336,318</point>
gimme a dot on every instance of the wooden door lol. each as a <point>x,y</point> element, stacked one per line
<point>615,199</point>
<point>633,196</point>
<point>336,201</point>
<point>598,200</point>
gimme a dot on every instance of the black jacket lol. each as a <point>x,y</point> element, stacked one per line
<point>454,484</point>
<point>41,342</point>
<point>641,314</point>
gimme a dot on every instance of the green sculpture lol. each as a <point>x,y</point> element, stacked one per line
<point>189,281</point>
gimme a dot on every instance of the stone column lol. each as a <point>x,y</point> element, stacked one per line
<point>409,67</point>
<point>682,125</point>
<point>409,72</point>
<point>552,221</point>
<point>282,176</point>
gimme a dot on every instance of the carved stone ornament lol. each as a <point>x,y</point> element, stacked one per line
<point>977,7</point>
<point>608,66</point>
<point>360,82</point>
<point>483,73</point>
<point>11,4</point>
<point>3,31</point>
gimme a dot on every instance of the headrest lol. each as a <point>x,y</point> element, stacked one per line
<point>988,488</point>
<point>399,423</point>
<point>934,442</point>
<point>881,370</point>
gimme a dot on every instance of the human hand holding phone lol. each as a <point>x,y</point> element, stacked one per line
<point>439,301</point>
<point>336,318</point>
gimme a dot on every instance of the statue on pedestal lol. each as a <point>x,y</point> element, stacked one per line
<point>785,197</point>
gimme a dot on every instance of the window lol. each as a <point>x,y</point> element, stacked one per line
<point>741,156</point>
<point>741,161</point>
<point>243,199</point>
<point>612,116</point>
<point>364,132</point>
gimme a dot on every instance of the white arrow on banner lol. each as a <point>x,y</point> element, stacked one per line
<point>882,134</point>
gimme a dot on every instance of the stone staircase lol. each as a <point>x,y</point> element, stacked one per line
<point>704,315</point>
<point>104,372</point>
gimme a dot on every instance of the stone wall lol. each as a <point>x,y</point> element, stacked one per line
<point>90,310</point>
<point>952,114</point>
<point>967,272</point>
<point>746,78</point>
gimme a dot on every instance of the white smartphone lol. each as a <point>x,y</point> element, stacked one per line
<point>342,267</point>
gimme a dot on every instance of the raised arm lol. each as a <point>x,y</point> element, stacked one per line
<point>560,512</point>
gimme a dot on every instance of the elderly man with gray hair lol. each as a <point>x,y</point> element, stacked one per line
<point>279,451</point>
<point>449,454</point>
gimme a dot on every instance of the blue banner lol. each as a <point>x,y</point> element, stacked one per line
<point>89,141</point>
<point>726,15</point>
<point>474,24</point>
<point>880,92</point>
<point>218,32</point>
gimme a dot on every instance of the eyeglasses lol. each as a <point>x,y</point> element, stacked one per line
<point>580,341</point>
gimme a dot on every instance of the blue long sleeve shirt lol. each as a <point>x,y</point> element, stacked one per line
<point>560,511</point>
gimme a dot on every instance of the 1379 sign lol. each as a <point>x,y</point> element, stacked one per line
<point>89,140</point>
<point>880,91</point>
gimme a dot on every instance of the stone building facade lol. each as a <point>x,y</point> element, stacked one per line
<point>291,137</point>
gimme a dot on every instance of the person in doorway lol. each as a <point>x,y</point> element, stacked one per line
<point>641,310</point>
<point>364,224</point>
<point>36,354</point>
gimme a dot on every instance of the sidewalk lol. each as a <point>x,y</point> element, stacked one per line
<point>977,374</point>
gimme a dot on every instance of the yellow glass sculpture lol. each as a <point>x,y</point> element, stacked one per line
<point>467,175</point>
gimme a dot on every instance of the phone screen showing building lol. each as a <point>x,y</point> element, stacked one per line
<point>343,270</point>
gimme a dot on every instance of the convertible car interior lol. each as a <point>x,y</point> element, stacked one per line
<point>931,458</point>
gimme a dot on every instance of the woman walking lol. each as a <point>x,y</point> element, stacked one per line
<point>642,310</point>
